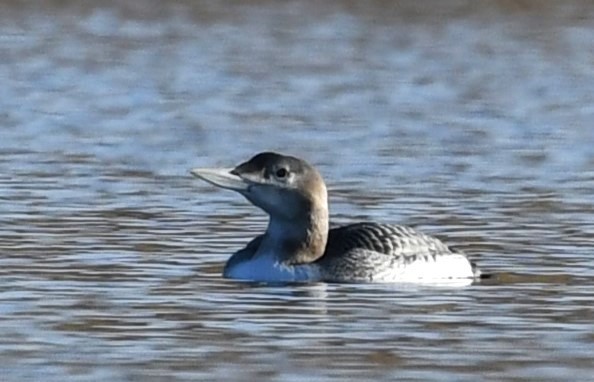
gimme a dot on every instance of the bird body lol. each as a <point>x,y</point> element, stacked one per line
<point>299,246</point>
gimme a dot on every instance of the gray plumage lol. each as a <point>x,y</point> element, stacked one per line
<point>361,251</point>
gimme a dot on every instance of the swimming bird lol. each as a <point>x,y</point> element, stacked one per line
<point>299,245</point>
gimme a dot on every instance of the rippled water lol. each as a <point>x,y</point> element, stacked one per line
<point>469,122</point>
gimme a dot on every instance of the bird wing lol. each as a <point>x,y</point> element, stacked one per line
<point>371,252</point>
<point>387,239</point>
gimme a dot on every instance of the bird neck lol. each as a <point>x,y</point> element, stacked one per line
<point>300,240</point>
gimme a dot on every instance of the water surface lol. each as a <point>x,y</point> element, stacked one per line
<point>469,122</point>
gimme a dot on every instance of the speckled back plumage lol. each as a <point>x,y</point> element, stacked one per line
<point>389,239</point>
<point>372,251</point>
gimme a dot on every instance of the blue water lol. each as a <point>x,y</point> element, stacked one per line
<point>469,122</point>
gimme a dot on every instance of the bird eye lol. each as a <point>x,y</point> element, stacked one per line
<point>281,173</point>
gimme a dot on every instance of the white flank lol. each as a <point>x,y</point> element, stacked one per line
<point>445,267</point>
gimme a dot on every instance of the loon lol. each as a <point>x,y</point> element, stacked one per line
<point>299,246</point>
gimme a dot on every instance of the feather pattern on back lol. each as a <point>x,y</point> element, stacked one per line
<point>385,252</point>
